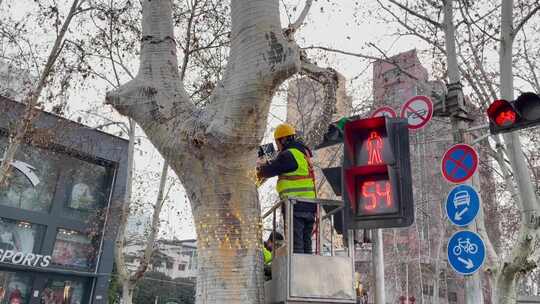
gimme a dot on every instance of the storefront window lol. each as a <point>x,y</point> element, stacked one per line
<point>73,249</point>
<point>33,178</point>
<point>15,288</point>
<point>87,190</point>
<point>58,291</point>
<point>20,236</point>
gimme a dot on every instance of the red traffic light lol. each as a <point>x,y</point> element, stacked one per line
<point>502,113</point>
<point>508,116</point>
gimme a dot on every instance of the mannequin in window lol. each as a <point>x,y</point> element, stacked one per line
<point>82,197</point>
<point>8,240</point>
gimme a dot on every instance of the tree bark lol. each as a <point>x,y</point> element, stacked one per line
<point>127,292</point>
<point>519,262</point>
<point>212,149</point>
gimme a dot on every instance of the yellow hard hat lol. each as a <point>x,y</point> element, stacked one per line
<point>284,130</point>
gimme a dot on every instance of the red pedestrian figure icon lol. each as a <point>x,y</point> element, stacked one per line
<point>374,146</point>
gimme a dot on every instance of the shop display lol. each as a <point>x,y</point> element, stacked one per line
<point>73,249</point>
<point>21,193</point>
<point>15,288</point>
<point>19,236</point>
<point>62,292</point>
<point>89,187</point>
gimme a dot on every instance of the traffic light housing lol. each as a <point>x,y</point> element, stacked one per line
<point>376,174</point>
<point>507,116</point>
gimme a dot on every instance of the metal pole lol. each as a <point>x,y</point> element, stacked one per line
<point>378,266</point>
<point>332,235</point>
<point>473,286</point>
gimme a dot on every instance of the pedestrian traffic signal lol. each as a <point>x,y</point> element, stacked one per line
<point>377,187</point>
<point>506,116</point>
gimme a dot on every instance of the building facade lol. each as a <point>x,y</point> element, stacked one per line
<point>174,258</point>
<point>58,210</point>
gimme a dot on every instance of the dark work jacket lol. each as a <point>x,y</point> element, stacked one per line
<point>284,162</point>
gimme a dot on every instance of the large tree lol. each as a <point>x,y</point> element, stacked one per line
<point>212,148</point>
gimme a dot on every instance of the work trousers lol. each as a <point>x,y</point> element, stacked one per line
<point>302,229</point>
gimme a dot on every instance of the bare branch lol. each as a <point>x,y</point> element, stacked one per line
<point>303,15</point>
<point>524,20</point>
<point>412,31</point>
<point>324,48</point>
<point>416,14</point>
<point>329,79</point>
<point>532,66</point>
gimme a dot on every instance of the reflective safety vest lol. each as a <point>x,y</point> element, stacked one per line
<point>267,256</point>
<point>299,183</point>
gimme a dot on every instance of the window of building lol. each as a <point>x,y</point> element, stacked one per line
<point>63,291</point>
<point>182,267</point>
<point>452,297</point>
<point>423,228</point>
<point>15,288</point>
<point>20,236</point>
<point>33,179</point>
<point>427,290</point>
<point>169,265</point>
<point>88,186</point>
<point>73,249</point>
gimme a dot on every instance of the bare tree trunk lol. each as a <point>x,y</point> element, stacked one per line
<point>31,100</point>
<point>212,149</point>
<point>129,281</point>
<point>518,262</point>
<point>119,259</point>
<point>127,292</point>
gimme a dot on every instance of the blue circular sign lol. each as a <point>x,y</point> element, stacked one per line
<point>466,252</point>
<point>462,205</point>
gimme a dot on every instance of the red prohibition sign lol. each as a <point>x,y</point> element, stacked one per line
<point>384,111</point>
<point>459,163</point>
<point>418,111</point>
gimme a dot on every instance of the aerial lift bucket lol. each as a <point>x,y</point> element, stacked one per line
<point>327,277</point>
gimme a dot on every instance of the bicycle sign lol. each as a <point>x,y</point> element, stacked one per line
<point>466,252</point>
<point>462,205</point>
<point>465,246</point>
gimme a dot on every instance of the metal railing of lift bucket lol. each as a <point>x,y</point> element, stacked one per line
<point>287,207</point>
<point>325,263</point>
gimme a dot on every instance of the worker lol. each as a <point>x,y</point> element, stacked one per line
<point>295,174</point>
<point>268,250</point>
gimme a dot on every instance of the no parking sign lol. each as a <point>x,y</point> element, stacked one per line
<point>459,163</point>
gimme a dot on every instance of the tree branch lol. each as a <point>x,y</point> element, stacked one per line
<point>260,59</point>
<point>416,14</point>
<point>412,31</point>
<point>524,20</point>
<point>303,15</point>
<point>329,79</point>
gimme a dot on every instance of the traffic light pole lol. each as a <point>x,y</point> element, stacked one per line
<point>378,266</point>
<point>473,285</point>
